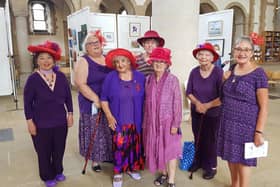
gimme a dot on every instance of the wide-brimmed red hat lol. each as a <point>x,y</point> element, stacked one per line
<point>151,34</point>
<point>49,47</point>
<point>206,46</point>
<point>119,52</point>
<point>160,54</point>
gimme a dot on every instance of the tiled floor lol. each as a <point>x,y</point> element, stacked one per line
<point>18,162</point>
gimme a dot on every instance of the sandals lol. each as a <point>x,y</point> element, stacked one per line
<point>171,185</point>
<point>96,168</point>
<point>160,180</point>
<point>117,180</point>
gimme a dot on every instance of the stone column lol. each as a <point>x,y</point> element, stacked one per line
<point>179,27</point>
<point>24,57</point>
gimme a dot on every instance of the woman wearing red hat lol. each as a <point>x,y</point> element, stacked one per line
<point>46,93</point>
<point>149,41</point>
<point>244,112</point>
<point>122,101</point>
<point>162,118</point>
<point>90,72</point>
<point>203,90</point>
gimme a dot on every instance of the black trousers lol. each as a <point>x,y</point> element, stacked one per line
<point>49,144</point>
<point>205,131</point>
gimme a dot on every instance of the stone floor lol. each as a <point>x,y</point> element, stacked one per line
<point>19,168</point>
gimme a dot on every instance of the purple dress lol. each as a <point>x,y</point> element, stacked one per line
<point>205,126</point>
<point>239,115</point>
<point>102,147</point>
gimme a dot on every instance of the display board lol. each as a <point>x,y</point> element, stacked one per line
<point>108,25</point>
<point>77,31</point>
<point>216,28</point>
<point>131,27</point>
<point>6,86</point>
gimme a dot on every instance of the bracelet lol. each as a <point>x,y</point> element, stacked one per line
<point>70,113</point>
<point>259,132</point>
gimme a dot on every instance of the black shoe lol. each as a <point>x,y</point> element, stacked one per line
<point>171,185</point>
<point>96,168</point>
<point>209,174</point>
<point>194,168</point>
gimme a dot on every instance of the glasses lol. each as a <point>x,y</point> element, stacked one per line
<point>92,43</point>
<point>239,50</point>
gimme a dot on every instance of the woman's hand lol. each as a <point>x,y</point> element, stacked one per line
<point>174,130</point>
<point>112,122</point>
<point>70,120</point>
<point>258,139</point>
<point>200,108</point>
<point>31,127</point>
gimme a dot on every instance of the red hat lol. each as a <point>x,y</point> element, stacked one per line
<point>151,34</point>
<point>208,47</point>
<point>49,47</point>
<point>119,52</point>
<point>160,54</point>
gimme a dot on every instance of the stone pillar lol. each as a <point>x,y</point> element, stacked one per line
<point>179,27</point>
<point>140,10</point>
<point>25,60</point>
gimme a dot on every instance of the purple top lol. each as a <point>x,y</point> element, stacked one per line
<point>125,98</point>
<point>96,76</point>
<point>205,89</point>
<point>44,106</point>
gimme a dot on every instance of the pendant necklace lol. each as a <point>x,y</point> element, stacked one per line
<point>49,81</point>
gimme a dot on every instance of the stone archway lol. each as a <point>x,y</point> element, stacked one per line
<point>207,6</point>
<point>116,6</point>
<point>240,20</point>
<point>149,10</point>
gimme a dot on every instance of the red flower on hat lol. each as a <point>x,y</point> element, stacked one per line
<point>49,47</point>
<point>257,39</point>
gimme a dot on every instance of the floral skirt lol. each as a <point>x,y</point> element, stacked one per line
<point>127,150</point>
<point>102,144</point>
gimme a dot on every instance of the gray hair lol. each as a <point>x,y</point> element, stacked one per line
<point>244,39</point>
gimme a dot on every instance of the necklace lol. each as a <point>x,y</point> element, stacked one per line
<point>49,81</point>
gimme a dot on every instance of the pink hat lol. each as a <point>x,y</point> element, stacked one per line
<point>119,52</point>
<point>151,34</point>
<point>208,47</point>
<point>49,47</point>
<point>160,54</point>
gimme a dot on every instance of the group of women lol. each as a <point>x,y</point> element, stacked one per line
<point>134,106</point>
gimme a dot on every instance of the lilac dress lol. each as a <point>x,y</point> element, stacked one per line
<point>239,115</point>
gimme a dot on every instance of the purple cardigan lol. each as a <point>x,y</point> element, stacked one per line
<point>44,106</point>
<point>111,94</point>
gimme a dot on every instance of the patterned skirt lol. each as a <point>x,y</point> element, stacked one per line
<point>127,150</point>
<point>102,144</point>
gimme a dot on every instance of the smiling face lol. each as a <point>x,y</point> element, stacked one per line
<point>93,46</point>
<point>122,64</point>
<point>205,57</point>
<point>45,61</point>
<point>149,45</point>
<point>243,52</point>
<point>159,66</point>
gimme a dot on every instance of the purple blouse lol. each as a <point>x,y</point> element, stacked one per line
<point>96,76</point>
<point>44,106</point>
<point>205,89</point>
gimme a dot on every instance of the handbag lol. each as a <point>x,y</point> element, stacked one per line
<point>188,156</point>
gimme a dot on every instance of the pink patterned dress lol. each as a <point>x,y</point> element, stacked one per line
<point>162,111</point>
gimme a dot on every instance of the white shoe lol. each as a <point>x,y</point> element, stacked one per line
<point>134,175</point>
<point>117,180</point>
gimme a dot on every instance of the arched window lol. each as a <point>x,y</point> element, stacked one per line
<point>41,17</point>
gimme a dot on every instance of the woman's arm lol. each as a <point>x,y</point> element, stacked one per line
<point>199,107</point>
<point>81,74</point>
<point>262,98</point>
<point>111,119</point>
<point>214,103</point>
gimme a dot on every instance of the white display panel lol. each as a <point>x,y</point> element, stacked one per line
<point>6,87</point>
<point>107,24</point>
<point>77,29</point>
<point>216,28</point>
<point>130,28</point>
